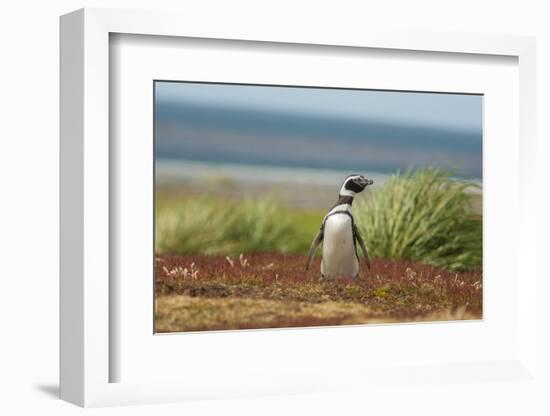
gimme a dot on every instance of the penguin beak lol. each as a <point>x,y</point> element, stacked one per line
<point>365,182</point>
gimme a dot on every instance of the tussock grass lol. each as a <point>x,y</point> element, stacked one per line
<point>210,226</point>
<point>422,215</point>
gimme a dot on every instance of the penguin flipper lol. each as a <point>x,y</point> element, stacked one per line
<point>362,245</point>
<point>315,243</point>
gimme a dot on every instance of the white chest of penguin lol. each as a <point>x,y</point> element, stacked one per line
<point>339,255</point>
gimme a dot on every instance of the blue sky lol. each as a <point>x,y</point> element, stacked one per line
<point>379,131</point>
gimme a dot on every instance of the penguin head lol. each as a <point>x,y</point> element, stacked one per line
<point>354,184</point>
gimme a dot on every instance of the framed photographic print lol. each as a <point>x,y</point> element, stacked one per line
<point>267,212</point>
<point>248,176</point>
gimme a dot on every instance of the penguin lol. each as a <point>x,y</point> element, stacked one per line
<point>339,234</point>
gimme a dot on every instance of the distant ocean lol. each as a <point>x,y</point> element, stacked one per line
<point>173,171</point>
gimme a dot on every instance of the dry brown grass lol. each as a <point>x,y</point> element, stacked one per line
<point>196,293</point>
<point>185,313</point>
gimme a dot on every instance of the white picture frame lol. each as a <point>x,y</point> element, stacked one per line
<point>86,304</point>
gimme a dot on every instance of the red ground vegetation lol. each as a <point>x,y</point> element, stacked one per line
<point>392,290</point>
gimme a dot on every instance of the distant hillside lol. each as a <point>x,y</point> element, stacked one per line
<point>232,135</point>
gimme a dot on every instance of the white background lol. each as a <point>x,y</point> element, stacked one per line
<point>29,208</point>
<point>137,62</point>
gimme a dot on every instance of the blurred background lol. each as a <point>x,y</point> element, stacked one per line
<point>247,168</point>
<point>307,137</point>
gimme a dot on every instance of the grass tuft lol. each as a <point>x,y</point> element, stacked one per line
<point>211,227</point>
<point>422,215</point>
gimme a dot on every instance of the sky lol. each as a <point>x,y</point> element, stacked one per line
<point>366,130</point>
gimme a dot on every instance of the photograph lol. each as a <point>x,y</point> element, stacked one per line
<point>285,206</point>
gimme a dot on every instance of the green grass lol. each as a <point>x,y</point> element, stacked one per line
<point>425,216</point>
<point>215,226</point>
<point>421,215</point>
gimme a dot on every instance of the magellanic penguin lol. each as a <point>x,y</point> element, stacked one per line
<point>339,234</point>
